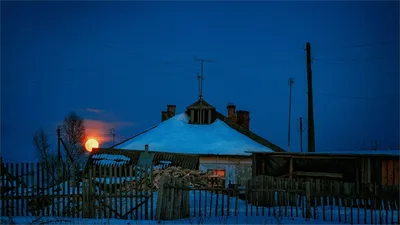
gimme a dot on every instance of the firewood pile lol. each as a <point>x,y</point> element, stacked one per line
<point>196,178</point>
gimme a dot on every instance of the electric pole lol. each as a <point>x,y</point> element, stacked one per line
<point>58,144</point>
<point>301,134</point>
<point>291,82</point>
<point>311,134</point>
<point>112,132</point>
<point>301,128</point>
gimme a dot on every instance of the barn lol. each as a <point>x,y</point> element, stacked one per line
<point>358,166</point>
<point>202,136</point>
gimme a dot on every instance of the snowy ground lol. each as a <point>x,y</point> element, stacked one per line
<point>194,220</point>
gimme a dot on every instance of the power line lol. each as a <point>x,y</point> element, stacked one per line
<point>352,60</point>
<point>350,97</point>
<point>367,44</point>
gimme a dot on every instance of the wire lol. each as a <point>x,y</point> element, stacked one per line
<point>367,44</point>
<point>354,59</point>
<point>350,97</point>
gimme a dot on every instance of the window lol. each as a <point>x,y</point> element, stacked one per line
<point>220,173</point>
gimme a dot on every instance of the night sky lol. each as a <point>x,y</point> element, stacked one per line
<point>118,64</point>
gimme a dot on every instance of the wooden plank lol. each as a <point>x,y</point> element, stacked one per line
<point>200,213</point>
<point>114,196</point>
<point>151,192</point>
<point>390,167</point>
<point>169,198</point>
<point>69,200</point>
<point>187,199</point>
<point>160,203</point>
<point>56,189</point>
<point>384,174</point>
<point>3,178</point>
<point>48,189</point>
<point>146,184</point>
<point>137,190</point>
<point>195,205</point>
<point>396,172</point>
<point>19,187</point>
<point>216,204</point>
<point>126,189</point>
<point>119,175</point>
<point>12,187</point>
<point>24,188</point>
<point>140,189</point>
<point>319,174</point>
<point>308,200</point>
<point>211,198</point>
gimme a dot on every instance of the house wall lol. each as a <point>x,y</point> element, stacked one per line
<point>390,171</point>
<point>237,169</point>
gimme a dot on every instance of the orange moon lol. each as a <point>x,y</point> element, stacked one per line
<point>90,144</point>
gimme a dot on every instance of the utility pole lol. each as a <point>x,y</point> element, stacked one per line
<point>301,128</point>
<point>311,134</point>
<point>58,144</point>
<point>112,132</point>
<point>301,134</point>
<point>291,82</point>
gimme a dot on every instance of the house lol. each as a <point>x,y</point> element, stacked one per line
<point>358,166</point>
<point>209,140</point>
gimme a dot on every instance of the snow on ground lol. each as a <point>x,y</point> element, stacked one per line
<point>176,135</point>
<point>194,220</point>
<point>208,204</point>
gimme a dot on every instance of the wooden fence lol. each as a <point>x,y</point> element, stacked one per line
<point>280,198</point>
<point>34,189</point>
<point>128,192</point>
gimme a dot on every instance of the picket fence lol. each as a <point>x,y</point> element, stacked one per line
<point>128,192</point>
<point>39,189</point>
<point>279,198</point>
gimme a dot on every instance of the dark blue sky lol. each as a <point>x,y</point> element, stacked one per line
<point>118,64</point>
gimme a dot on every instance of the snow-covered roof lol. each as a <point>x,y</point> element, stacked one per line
<point>110,160</point>
<point>176,135</point>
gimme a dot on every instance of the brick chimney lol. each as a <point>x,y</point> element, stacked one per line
<point>164,116</point>
<point>171,110</point>
<point>232,112</point>
<point>243,119</point>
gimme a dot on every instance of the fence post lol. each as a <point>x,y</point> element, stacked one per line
<point>87,189</point>
<point>160,202</point>
<point>308,200</point>
<point>186,200</point>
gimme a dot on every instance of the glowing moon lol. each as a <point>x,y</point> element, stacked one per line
<point>90,144</point>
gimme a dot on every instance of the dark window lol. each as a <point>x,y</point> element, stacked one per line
<point>196,116</point>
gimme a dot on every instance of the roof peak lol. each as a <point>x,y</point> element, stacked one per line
<point>200,103</point>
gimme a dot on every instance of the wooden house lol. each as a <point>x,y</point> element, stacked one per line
<point>359,166</point>
<point>200,138</point>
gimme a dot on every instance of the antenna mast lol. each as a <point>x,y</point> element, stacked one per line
<point>201,76</point>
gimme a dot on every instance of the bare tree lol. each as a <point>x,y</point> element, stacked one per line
<point>73,133</point>
<point>41,143</point>
<point>46,156</point>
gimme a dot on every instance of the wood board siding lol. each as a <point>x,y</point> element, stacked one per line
<point>238,168</point>
<point>390,172</point>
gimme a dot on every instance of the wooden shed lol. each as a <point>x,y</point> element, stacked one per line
<point>364,166</point>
